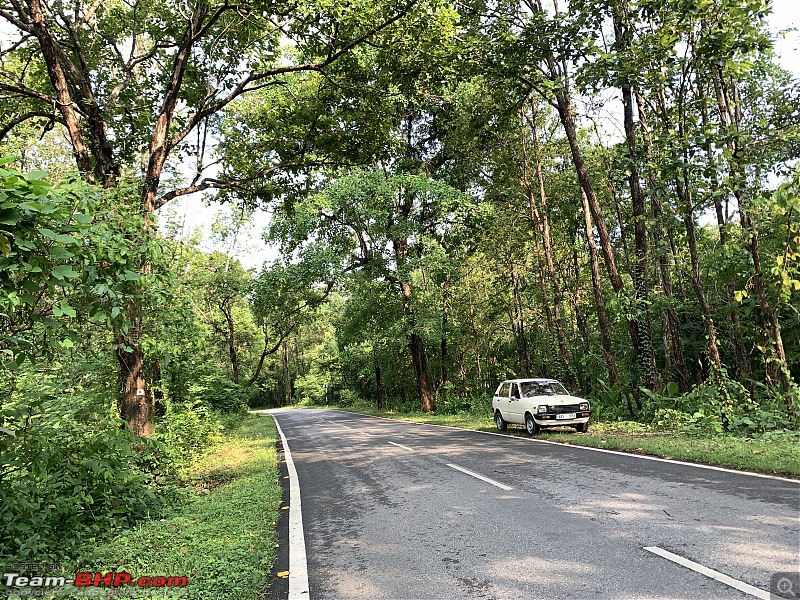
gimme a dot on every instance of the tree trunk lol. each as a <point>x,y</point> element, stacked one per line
<point>568,122</point>
<point>592,204</point>
<point>233,355</point>
<point>287,376</point>
<point>775,362</point>
<point>645,356</point>
<point>685,194</point>
<point>540,217</point>
<point>740,355</point>
<point>602,319</point>
<point>443,343</point>
<point>518,327</point>
<point>419,359</point>
<point>53,59</point>
<point>136,407</point>
<point>378,387</point>
<point>670,325</point>
<point>420,362</point>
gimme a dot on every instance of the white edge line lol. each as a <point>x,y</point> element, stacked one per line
<point>298,567</point>
<point>502,486</point>
<point>590,448</point>
<point>721,577</point>
<point>401,446</point>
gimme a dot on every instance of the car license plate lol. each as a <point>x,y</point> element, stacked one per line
<point>566,416</point>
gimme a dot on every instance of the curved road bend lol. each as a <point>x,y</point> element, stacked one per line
<point>397,510</point>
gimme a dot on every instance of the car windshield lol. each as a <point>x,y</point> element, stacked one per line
<point>541,388</point>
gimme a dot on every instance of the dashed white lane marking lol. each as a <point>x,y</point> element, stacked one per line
<point>502,486</point>
<point>401,446</point>
<point>298,567</point>
<point>587,448</point>
<point>350,428</point>
<point>721,577</point>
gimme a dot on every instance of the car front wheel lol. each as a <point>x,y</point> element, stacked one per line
<point>530,425</point>
<point>500,421</point>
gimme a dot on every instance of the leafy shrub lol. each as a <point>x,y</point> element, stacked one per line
<point>258,397</point>
<point>718,405</point>
<point>345,397</point>
<point>670,418</point>
<point>218,392</point>
<point>610,403</point>
<point>186,430</point>
<point>61,476</point>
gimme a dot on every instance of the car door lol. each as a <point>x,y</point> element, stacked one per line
<point>500,399</point>
<point>515,412</point>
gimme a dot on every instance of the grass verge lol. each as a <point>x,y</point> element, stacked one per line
<point>224,538</point>
<point>775,453</point>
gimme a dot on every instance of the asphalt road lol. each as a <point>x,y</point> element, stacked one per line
<point>388,514</point>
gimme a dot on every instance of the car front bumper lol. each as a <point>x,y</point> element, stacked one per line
<point>552,420</point>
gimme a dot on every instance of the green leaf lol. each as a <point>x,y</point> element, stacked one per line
<point>64,271</point>
<point>82,219</point>
<point>67,309</point>
<point>60,253</point>
<point>57,237</point>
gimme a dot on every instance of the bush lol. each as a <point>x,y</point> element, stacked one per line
<point>61,476</point>
<point>186,431</point>
<point>219,393</point>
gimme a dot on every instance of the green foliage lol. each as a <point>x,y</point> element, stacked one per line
<point>224,540</point>
<point>715,407</point>
<point>187,430</point>
<point>216,391</point>
<point>69,467</point>
<point>67,257</point>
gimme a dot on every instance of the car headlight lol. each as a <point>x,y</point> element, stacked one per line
<point>584,406</point>
<point>542,409</point>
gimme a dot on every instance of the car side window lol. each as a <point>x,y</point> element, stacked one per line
<point>504,389</point>
<point>514,390</point>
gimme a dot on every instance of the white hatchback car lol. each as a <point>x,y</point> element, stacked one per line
<point>537,403</point>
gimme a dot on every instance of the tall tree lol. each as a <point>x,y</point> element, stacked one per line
<point>132,83</point>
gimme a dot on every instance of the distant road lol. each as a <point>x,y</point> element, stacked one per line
<point>406,511</point>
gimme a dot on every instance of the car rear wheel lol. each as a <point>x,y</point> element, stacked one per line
<point>500,421</point>
<point>582,428</point>
<point>530,425</point>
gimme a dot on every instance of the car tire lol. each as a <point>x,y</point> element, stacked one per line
<point>530,425</point>
<point>500,422</point>
<point>582,428</point>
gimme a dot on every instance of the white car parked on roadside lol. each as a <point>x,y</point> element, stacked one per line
<point>538,403</point>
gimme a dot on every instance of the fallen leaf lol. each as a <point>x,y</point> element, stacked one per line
<point>284,508</point>
<point>758,452</point>
<point>283,574</point>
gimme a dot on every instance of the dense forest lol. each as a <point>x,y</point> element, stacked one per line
<point>600,191</point>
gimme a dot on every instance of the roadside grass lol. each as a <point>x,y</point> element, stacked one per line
<point>774,453</point>
<point>224,538</point>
